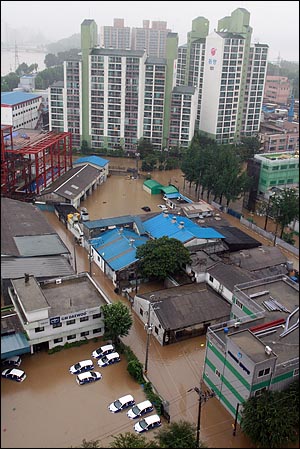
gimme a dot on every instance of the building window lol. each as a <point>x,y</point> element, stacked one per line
<point>259,392</point>
<point>84,318</point>
<point>296,372</point>
<point>71,337</point>
<point>58,340</point>
<point>97,331</point>
<point>39,329</point>
<point>211,278</point>
<point>156,330</point>
<point>84,334</point>
<point>141,312</point>
<point>217,372</point>
<point>69,322</point>
<point>239,304</point>
<point>56,325</point>
<point>97,315</point>
<point>263,372</point>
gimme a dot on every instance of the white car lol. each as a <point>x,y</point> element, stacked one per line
<point>88,377</point>
<point>121,403</point>
<point>148,423</point>
<point>13,361</point>
<point>140,409</point>
<point>81,367</point>
<point>14,374</point>
<point>104,350</point>
<point>162,207</point>
<point>109,359</point>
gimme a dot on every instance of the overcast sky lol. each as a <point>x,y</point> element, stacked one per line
<point>275,23</point>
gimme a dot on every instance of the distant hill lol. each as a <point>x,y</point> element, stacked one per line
<point>65,44</point>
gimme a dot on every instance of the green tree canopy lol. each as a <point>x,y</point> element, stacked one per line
<point>272,419</point>
<point>130,439</point>
<point>179,434</point>
<point>162,257</point>
<point>285,207</point>
<point>117,319</point>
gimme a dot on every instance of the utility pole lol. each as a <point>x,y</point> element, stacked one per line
<point>268,210</point>
<point>148,328</point>
<point>235,421</point>
<point>91,258</point>
<point>203,397</point>
<point>75,261</point>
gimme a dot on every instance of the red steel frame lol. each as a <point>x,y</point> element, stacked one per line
<point>30,169</point>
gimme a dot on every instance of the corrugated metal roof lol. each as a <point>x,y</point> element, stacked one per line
<point>117,248</point>
<point>14,344</point>
<point>40,245</point>
<point>40,267</point>
<point>12,98</point>
<point>96,160</point>
<point>164,225</point>
<point>116,221</point>
<point>152,183</point>
<point>188,305</point>
<point>169,189</point>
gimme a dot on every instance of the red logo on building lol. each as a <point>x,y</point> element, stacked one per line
<point>213,51</point>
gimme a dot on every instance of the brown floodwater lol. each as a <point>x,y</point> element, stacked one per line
<point>50,410</point>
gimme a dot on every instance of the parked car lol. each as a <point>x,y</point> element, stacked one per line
<point>104,350</point>
<point>14,374</point>
<point>81,367</point>
<point>121,403</point>
<point>140,409</point>
<point>162,207</point>
<point>109,359</point>
<point>12,361</point>
<point>148,423</point>
<point>88,377</point>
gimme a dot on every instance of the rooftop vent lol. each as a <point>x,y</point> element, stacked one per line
<point>26,278</point>
<point>268,350</point>
<point>174,219</point>
<point>181,224</point>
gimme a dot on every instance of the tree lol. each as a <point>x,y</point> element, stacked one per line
<point>285,207</point>
<point>162,257</point>
<point>271,420</point>
<point>178,434</point>
<point>130,439</point>
<point>91,443</point>
<point>117,319</point>
<point>9,82</point>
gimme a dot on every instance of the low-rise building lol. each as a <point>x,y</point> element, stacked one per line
<point>20,109</point>
<point>277,89</point>
<point>258,349</point>
<point>58,311</point>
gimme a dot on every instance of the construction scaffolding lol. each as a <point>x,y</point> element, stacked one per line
<point>31,161</point>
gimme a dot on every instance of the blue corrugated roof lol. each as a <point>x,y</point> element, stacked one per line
<point>161,225</point>
<point>13,98</point>
<point>116,249</point>
<point>14,344</point>
<point>96,160</point>
<point>178,195</point>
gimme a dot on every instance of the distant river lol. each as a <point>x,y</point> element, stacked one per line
<point>29,57</point>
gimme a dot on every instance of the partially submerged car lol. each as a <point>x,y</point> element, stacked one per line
<point>120,404</point>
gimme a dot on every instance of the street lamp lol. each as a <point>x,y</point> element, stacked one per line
<point>203,397</point>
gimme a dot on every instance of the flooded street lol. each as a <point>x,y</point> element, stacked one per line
<point>49,409</point>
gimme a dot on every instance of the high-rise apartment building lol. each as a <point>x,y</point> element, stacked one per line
<point>190,63</point>
<point>151,39</point>
<point>113,97</point>
<point>116,36</point>
<point>234,78</point>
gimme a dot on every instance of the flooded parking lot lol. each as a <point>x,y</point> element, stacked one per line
<point>49,409</point>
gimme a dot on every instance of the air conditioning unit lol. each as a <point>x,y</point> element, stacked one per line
<point>58,281</point>
<point>237,324</point>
